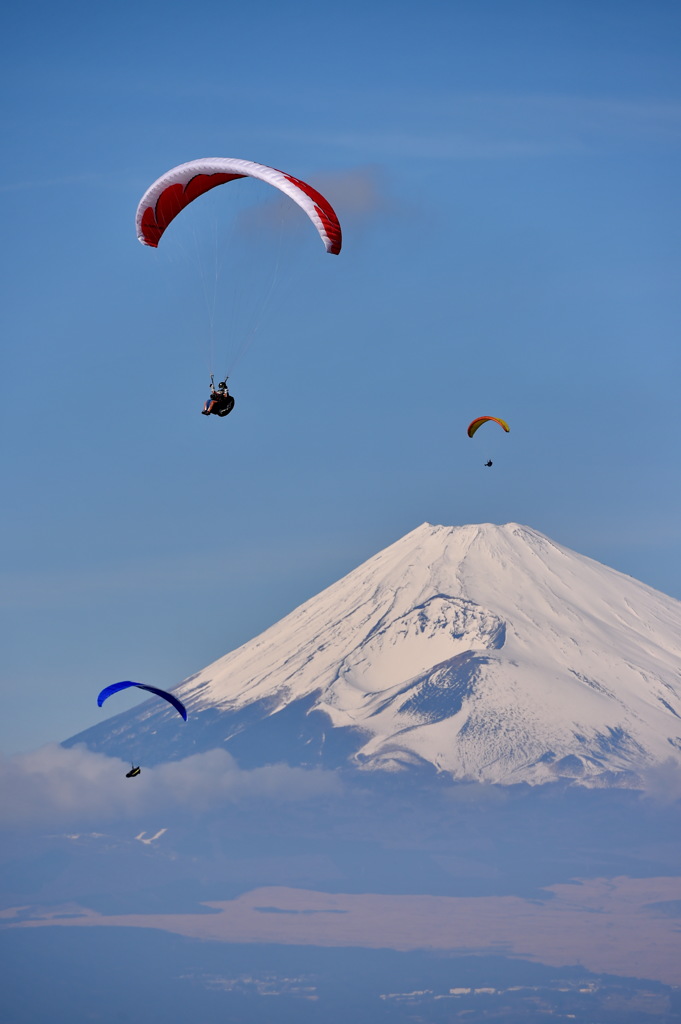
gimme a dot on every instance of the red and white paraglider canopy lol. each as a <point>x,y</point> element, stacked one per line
<point>171,193</point>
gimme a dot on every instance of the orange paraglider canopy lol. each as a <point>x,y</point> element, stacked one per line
<point>478,422</point>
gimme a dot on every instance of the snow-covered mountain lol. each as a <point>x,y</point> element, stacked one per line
<point>488,652</point>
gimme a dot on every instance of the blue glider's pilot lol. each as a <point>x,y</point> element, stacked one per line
<point>133,772</point>
<point>220,401</point>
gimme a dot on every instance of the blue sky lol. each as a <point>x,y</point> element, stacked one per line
<point>507,179</point>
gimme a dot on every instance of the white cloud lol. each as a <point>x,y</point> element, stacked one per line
<point>662,782</point>
<point>73,179</point>
<point>54,786</point>
<point>489,126</point>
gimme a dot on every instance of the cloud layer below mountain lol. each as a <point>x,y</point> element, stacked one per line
<point>54,785</point>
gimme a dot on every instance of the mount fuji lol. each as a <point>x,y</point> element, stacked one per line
<point>482,652</point>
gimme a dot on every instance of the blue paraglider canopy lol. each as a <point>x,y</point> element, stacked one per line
<point>115,687</point>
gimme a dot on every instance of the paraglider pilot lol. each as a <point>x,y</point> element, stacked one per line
<point>489,463</point>
<point>133,772</point>
<point>220,401</point>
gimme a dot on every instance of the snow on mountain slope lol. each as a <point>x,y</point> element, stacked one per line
<point>489,652</point>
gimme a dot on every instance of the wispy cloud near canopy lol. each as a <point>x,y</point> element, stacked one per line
<point>53,786</point>
<point>498,127</point>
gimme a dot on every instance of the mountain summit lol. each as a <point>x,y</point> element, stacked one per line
<point>488,652</point>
